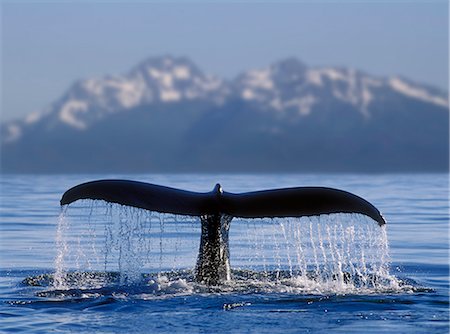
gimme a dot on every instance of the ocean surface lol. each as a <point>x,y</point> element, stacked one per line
<point>95,267</point>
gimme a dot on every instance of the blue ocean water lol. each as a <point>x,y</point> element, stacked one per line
<point>110,258</point>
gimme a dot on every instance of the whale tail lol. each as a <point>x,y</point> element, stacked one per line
<point>286,202</point>
<point>217,208</point>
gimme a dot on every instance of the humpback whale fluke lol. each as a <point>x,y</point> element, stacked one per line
<point>217,208</point>
<point>286,202</point>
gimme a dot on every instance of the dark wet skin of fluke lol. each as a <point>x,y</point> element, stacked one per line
<point>217,208</point>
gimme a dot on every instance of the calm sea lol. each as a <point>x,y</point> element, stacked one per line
<point>128,271</point>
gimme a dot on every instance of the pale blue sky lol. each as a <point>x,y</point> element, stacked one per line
<point>47,46</point>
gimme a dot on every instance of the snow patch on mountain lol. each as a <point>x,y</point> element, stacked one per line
<point>169,95</point>
<point>256,85</point>
<point>347,85</point>
<point>416,92</point>
<point>335,74</point>
<point>314,77</point>
<point>259,79</point>
<point>34,117</point>
<point>181,72</point>
<point>12,133</point>
<point>70,111</point>
<point>303,104</point>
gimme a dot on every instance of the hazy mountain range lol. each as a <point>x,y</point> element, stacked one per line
<point>166,115</point>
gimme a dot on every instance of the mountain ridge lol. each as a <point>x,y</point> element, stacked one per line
<point>259,121</point>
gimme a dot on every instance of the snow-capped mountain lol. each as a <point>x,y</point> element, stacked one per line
<point>290,85</point>
<point>155,80</point>
<point>169,99</point>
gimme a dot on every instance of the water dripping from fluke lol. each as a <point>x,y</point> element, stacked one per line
<point>300,240</point>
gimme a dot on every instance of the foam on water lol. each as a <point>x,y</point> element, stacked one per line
<point>339,253</point>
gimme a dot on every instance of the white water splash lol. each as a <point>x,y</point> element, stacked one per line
<point>62,248</point>
<point>339,253</point>
<point>102,237</point>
